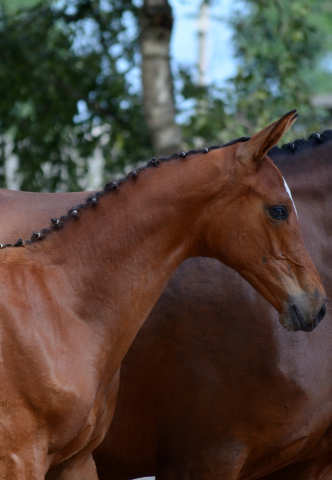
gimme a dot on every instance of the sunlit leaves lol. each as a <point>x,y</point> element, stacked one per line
<point>61,77</point>
<point>70,87</point>
<point>280,48</point>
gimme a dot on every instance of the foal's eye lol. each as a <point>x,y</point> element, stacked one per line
<point>279,212</point>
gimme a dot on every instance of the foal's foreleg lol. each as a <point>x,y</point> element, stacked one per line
<point>83,469</point>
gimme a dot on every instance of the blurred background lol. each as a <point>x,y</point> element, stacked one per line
<point>90,87</point>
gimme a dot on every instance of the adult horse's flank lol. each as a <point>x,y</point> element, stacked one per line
<point>73,299</point>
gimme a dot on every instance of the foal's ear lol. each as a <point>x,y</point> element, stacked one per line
<point>260,143</point>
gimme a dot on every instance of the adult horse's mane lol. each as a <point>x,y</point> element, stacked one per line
<point>74,213</point>
<point>301,144</point>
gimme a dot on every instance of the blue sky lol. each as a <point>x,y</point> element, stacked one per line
<point>184,44</point>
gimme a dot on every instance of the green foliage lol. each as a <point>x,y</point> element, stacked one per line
<point>69,83</point>
<point>65,90</point>
<point>14,5</point>
<point>280,47</point>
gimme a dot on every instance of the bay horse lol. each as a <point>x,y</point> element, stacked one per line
<point>74,296</point>
<point>212,387</point>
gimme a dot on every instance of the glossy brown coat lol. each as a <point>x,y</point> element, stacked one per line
<point>212,387</point>
<point>71,304</point>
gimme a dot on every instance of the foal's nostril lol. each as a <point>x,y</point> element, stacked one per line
<point>299,321</point>
<point>321,314</point>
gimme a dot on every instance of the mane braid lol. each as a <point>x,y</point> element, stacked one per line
<point>300,144</point>
<point>112,186</point>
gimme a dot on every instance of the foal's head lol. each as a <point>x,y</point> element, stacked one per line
<point>257,232</point>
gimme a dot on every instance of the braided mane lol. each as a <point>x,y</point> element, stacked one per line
<point>301,144</point>
<point>92,201</point>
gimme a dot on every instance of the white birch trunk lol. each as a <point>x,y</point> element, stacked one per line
<point>158,98</point>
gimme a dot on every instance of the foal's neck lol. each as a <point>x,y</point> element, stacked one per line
<point>120,253</point>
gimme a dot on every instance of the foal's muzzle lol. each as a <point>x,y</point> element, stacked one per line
<point>299,316</point>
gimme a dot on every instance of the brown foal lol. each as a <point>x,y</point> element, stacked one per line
<point>212,387</point>
<point>73,299</point>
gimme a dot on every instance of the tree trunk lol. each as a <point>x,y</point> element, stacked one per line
<point>158,100</point>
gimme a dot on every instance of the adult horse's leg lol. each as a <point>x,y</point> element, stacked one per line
<point>204,464</point>
<point>316,469</point>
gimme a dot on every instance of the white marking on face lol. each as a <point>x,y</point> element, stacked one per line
<point>290,194</point>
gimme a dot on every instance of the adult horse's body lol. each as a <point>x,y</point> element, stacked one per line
<point>206,392</point>
<point>72,301</point>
